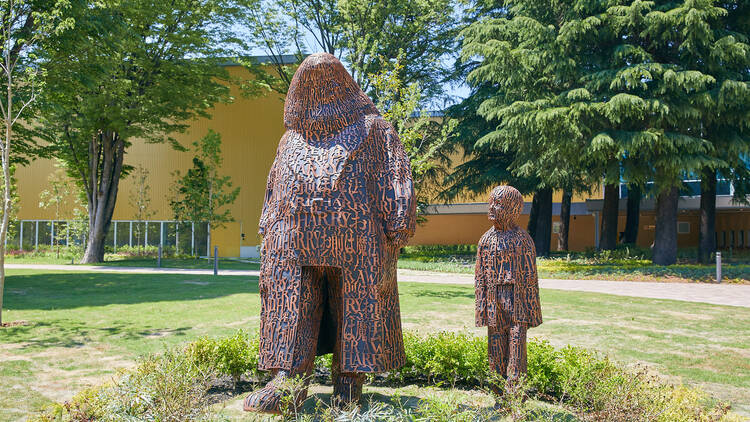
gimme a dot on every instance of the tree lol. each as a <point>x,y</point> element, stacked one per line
<point>131,71</point>
<point>24,28</point>
<point>140,200</point>
<point>425,139</point>
<point>528,71</point>
<point>59,196</point>
<point>201,194</point>
<point>368,36</point>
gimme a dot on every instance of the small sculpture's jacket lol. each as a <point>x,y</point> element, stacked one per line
<point>507,257</point>
<point>339,194</point>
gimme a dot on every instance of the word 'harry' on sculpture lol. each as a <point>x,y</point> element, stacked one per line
<point>339,205</point>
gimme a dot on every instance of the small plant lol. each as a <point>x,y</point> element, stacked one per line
<point>233,356</point>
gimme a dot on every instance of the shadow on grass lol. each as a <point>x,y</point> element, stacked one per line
<point>442,293</point>
<point>47,291</point>
<point>73,334</point>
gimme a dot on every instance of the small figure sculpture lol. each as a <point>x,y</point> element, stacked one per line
<point>507,287</point>
<point>339,205</point>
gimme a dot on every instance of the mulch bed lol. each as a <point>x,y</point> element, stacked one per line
<point>14,323</point>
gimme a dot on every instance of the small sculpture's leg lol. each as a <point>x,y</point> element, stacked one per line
<point>498,342</point>
<point>517,355</point>
<point>271,398</point>
<point>347,386</point>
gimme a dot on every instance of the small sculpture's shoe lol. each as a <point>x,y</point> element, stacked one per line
<point>347,389</point>
<point>270,398</point>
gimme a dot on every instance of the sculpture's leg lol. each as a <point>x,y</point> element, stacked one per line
<point>282,389</point>
<point>517,355</point>
<point>497,338</point>
<point>347,386</point>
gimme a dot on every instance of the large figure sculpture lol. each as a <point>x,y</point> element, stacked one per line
<point>339,205</point>
<point>507,287</point>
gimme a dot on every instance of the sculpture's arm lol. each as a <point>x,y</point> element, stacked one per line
<point>480,289</point>
<point>397,196</point>
<point>269,190</point>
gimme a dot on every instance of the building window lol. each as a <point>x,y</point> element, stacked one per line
<point>556,227</point>
<point>683,227</point>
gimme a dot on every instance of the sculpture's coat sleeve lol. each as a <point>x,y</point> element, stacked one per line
<point>396,187</point>
<point>480,287</point>
<point>265,214</point>
<point>527,309</point>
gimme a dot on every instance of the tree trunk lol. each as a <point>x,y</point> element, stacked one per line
<point>665,237</point>
<point>106,153</point>
<point>7,203</point>
<point>633,214</point>
<point>533,215</point>
<point>565,219</point>
<point>707,231</point>
<point>610,214</point>
<point>543,225</point>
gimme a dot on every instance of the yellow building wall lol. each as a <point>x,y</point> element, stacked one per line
<point>250,131</point>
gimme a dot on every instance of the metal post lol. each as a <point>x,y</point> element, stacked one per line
<point>177,238</point>
<point>20,238</point>
<point>161,233</point>
<point>158,260</point>
<point>67,234</point>
<point>192,239</point>
<point>216,260</point>
<point>36,235</point>
<point>130,235</point>
<point>145,240</point>
<point>114,242</point>
<point>52,233</point>
<point>718,267</point>
<point>208,240</point>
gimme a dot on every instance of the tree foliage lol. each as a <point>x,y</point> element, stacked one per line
<point>131,71</point>
<point>202,193</point>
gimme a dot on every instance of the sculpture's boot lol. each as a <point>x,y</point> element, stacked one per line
<point>347,388</point>
<point>280,392</point>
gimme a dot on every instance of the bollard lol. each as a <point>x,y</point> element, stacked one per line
<point>216,260</point>
<point>158,260</point>
<point>718,267</point>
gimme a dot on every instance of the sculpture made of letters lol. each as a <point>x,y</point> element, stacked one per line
<point>339,205</point>
<point>507,287</point>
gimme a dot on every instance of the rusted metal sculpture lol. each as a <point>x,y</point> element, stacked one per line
<point>339,205</point>
<point>507,287</point>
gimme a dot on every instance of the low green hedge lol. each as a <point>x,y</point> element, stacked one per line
<point>174,385</point>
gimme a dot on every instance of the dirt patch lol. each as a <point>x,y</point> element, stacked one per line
<point>694,317</point>
<point>197,283</point>
<point>15,323</point>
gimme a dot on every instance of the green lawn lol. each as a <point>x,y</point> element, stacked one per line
<point>83,326</point>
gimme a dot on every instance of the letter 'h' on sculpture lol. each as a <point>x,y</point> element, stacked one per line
<point>339,205</point>
<point>507,286</point>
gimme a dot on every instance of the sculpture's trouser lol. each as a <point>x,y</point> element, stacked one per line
<point>321,286</point>
<point>507,350</point>
<point>507,339</point>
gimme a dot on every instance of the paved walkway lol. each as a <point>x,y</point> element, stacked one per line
<point>718,294</point>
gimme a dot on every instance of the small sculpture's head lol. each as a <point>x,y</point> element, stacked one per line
<point>323,97</point>
<point>505,206</point>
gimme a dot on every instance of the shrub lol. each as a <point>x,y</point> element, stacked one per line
<point>233,356</point>
<point>444,357</point>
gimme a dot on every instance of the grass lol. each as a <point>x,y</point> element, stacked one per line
<point>83,326</point>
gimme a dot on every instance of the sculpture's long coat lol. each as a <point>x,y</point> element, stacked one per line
<point>339,194</point>
<point>504,259</point>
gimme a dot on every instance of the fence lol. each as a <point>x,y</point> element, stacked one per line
<point>182,236</point>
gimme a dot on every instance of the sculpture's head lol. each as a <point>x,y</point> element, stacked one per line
<point>323,97</point>
<point>505,206</point>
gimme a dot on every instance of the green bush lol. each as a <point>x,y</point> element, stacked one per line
<point>451,358</point>
<point>233,356</point>
<point>173,386</point>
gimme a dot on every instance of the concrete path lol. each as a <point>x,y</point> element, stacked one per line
<point>717,294</point>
